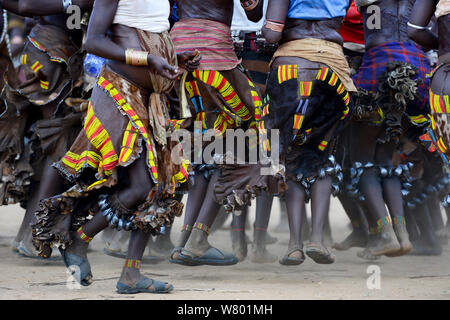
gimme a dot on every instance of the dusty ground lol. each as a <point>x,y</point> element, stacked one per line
<point>401,278</point>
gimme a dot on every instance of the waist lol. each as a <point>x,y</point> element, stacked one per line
<point>302,29</point>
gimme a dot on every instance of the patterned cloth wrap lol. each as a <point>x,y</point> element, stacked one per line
<point>374,63</point>
<point>50,62</point>
<point>221,96</point>
<point>50,65</point>
<point>309,113</point>
<point>123,123</point>
<point>211,38</point>
<point>440,117</point>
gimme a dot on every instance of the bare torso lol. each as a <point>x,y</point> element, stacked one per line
<point>127,37</point>
<point>216,10</point>
<point>394,17</point>
<point>444,38</point>
<point>323,29</point>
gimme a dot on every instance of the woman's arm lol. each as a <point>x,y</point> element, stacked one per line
<point>97,43</point>
<point>275,17</point>
<point>417,26</point>
<point>29,8</point>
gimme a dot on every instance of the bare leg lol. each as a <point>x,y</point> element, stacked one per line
<point>194,203</point>
<point>263,209</point>
<point>428,244</point>
<point>373,193</point>
<point>283,225</point>
<point>373,238</point>
<point>197,245</point>
<point>320,206</point>
<point>295,198</point>
<point>51,183</point>
<point>358,237</point>
<point>393,197</point>
<point>238,238</point>
<point>434,207</point>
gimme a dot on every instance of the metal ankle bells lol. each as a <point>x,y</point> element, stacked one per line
<point>150,217</point>
<point>333,170</point>
<point>114,216</point>
<point>357,170</point>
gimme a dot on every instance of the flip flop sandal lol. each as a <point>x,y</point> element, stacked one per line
<point>319,254</point>
<point>178,260</point>
<point>212,257</point>
<point>82,272</point>
<point>288,261</point>
<point>143,286</point>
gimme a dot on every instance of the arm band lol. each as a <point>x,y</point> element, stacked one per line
<point>249,4</point>
<point>274,26</point>
<point>416,27</point>
<point>136,58</point>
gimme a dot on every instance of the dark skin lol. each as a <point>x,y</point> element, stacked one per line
<point>140,182</point>
<point>421,15</point>
<point>200,205</point>
<point>365,148</point>
<point>51,12</point>
<point>393,23</point>
<point>216,10</point>
<point>321,189</point>
<point>294,28</point>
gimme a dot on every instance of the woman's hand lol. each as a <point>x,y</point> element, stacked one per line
<point>160,66</point>
<point>189,60</point>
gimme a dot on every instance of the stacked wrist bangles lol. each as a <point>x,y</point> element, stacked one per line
<point>249,4</point>
<point>274,25</point>
<point>136,58</point>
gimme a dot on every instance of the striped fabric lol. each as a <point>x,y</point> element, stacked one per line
<point>101,140</point>
<point>134,119</point>
<point>211,38</point>
<point>217,81</point>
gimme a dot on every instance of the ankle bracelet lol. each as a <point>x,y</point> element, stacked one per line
<point>202,226</point>
<point>186,227</point>
<point>135,264</point>
<point>383,221</point>
<point>399,220</point>
<point>83,235</point>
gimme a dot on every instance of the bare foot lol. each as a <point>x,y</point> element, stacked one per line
<point>358,238</point>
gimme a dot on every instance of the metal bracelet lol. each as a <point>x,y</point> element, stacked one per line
<point>416,26</point>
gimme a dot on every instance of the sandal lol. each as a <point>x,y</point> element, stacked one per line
<point>143,285</point>
<point>175,258</point>
<point>289,261</point>
<point>82,271</point>
<point>319,253</point>
<point>212,257</point>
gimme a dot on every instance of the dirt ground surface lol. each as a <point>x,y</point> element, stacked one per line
<point>408,277</point>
